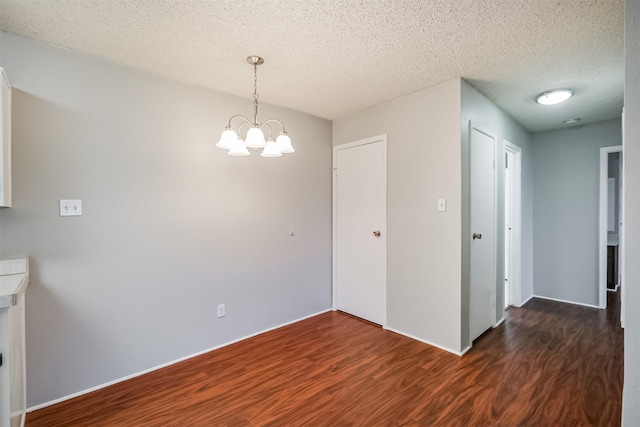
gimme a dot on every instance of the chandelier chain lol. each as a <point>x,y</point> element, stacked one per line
<point>255,137</point>
<point>255,82</point>
<point>255,94</point>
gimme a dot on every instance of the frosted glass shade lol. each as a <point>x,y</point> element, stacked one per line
<point>255,138</point>
<point>270,150</point>
<point>227,139</point>
<point>238,148</point>
<point>554,97</point>
<point>283,143</point>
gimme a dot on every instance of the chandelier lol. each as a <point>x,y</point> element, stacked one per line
<point>232,139</point>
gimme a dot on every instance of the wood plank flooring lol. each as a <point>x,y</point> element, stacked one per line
<point>548,364</point>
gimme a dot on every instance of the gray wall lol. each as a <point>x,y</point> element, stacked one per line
<point>479,109</point>
<point>566,167</point>
<point>423,245</point>
<point>172,226</point>
<point>631,225</point>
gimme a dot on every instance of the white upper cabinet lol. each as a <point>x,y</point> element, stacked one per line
<point>5,142</point>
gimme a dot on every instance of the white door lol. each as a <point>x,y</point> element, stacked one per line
<point>508,161</point>
<point>482,263</point>
<point>360,243</point>
<point>513,233</point>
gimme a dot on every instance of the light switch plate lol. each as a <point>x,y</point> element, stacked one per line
<point>70,207</point>
<point>442,205</point>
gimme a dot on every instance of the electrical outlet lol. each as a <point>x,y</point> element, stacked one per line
<point>221,310</point>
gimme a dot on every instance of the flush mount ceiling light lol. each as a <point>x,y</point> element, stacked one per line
<point>232,140</point>
<point>554,97</point>
<point>571,121</point>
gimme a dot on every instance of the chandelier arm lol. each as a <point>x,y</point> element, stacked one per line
<point>274,120</point>
<point>236,116</point>
<point>264,124</point>
<point>245,122</point>
<point>255,136</point>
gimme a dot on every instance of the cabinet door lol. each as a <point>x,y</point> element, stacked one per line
<point>5,407</point>
<point>13,395</point>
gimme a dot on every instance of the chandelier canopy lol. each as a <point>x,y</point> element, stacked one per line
<point>232,139</point>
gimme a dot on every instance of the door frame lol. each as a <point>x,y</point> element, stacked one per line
<point>602,228</point>
<point>515,267</point>
<point>475,126</point>
<point>334,214</point>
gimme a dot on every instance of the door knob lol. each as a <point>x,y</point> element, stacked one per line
<point>376,233</point>
<point>477,236</point>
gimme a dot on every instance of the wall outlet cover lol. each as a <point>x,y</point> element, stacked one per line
<point>70,207</point>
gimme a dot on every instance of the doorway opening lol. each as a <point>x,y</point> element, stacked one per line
<point>513,232</point>
<point>610,225</point>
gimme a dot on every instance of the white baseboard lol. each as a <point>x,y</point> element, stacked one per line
<point>457,353</point>
<point>526,301</point>
<point>164,365</point>
<point>465,350</point>
<point>568,302</point>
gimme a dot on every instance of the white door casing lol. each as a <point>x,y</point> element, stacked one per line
<point>482,266</point>
<point>602,232</point>
<point>359,229</point>
<point>621,248</point>
<point>513,229</point>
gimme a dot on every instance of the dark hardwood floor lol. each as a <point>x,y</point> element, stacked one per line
<point>548,364</point>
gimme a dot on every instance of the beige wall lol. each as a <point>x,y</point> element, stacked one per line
<point>423,245</point>
<point>427,279</point>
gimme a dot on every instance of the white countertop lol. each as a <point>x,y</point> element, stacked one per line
<point>14,278</point>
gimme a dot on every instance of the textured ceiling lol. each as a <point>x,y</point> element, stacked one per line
<point>330,58</point>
